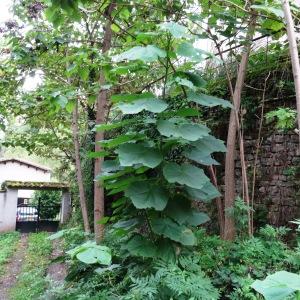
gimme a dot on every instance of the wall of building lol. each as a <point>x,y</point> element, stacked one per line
<point>18,172</point>
<point>277,189</point>
<point>8,210</point>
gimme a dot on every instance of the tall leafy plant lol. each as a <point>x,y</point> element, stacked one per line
<point>153,163</point>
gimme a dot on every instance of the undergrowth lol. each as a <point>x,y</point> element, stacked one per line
<point>31,282</point>
<point>214,269</point>
<point>8,245</point>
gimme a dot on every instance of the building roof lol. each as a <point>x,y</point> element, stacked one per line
<point>26,163</point>
<point>30,185</point>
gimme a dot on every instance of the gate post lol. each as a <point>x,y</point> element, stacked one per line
<point>8,202</point>
<point>65,207</point>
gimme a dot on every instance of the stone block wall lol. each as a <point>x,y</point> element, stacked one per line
<point>276,189</point>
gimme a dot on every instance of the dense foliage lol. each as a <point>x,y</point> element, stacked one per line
<point>127,88</point>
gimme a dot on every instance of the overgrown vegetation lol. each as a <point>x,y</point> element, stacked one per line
<point>8,245</point>
<point>31,282</point>
<point>127,103</point>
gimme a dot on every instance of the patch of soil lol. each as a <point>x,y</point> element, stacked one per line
<point>13,268</point>
<point>57,271</point>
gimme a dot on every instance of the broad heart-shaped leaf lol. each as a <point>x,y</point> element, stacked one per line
<point>140,246</point>
<point>166,250</point>
<point>205,194</point>
<point>207,100</point>
<point>145,195</point>
<point>181,128</point>
<point>91,253</point>
<point>177,30</point>
<point>163,249</point>
<point>131,97</point>
<point>196,155</point>
<point>203,148</point>
<point>152,104</point>
<point>173,231</point>
<point>185,174</point>
<point>194,54</point>
<point>278,12</point>
<point>147,54</point>
<point>93,256</point>
<point>197,218</point>
<point>131,154</point>
<point>179,209</point>
<point>120,139</point>
<point>209,144</point>
<point>278,286</point>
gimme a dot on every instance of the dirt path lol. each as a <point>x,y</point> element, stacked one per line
<point>57,271</point>
<point>13,268</point>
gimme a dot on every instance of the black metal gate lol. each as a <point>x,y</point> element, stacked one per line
<point>35,218</point>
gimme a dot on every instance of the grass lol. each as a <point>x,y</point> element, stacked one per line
<point>31,282</point>
<point>8,245</point>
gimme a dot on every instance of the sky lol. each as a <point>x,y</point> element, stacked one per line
<point>4,10</point>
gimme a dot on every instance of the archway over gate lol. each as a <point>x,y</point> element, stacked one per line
<point>9,205</point>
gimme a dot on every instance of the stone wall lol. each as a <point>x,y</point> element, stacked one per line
<point>276,191</point>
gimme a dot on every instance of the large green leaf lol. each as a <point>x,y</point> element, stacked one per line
<point>147,54</point>
<point>177,30</point>
<point>145,195</point>
<point>194,54</point>
<point>120,139</point>
<point>181,128</point>
<point>93,256</point>
<point>91,253</point>
<point>197,218</point>
<point>140,246</point>
<point>131,97</point>
<point>203,148</point>
<point>179,209</point>
<point>277,11</point>
<point>185,174</point>
<point>207,100</point>
<point>131,154</point>
<point>151,104</point>
<point>209,144</point>
<point>206,193</point>
<point>196,155</point>
<point>163,249</point>
<point>278,286</point>
<point>173,231</point>
<point>110,126</point>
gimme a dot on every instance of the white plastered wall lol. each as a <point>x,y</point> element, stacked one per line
<point>17,172</point>
<point>8,210</point>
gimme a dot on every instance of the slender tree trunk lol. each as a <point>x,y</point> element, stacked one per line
<point>82,198</point>
<point>101,107</point>
<point>230,187</point>
<point>294,54</point>
<point>220,208</point>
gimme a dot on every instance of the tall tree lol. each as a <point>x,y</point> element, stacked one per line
<point>230,186</point>
<point>82,198</point>
<point>101,109</point>
<point>290,27</point>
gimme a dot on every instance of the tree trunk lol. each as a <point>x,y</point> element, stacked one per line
<point>82,198</point>
<point>230,187</point>
<point>101,107</point>
<point>290,27</point>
